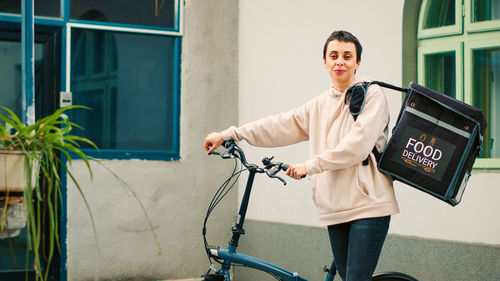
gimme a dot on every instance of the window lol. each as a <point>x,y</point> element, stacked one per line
<point>128,81</point>
<point>47,8</point>
<point>121,59</point>
<point>128,74</point>
<point>464,62</point>
<point>138,12</point>
<point>440,72</point>
<point>485,10</point>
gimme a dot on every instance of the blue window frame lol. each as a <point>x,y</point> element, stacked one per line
<point>126,69</point>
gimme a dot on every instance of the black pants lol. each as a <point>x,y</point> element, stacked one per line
<point>356,246</point>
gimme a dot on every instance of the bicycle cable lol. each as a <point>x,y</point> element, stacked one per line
<point>222,191</point>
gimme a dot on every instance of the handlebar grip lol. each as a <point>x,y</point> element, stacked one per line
<point>285,167</point>
<point>228,143</point>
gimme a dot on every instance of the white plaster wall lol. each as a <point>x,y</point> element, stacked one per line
<point>175,194</point>
<point>281,67</point>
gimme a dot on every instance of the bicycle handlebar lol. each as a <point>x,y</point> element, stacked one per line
<point>270,168</point>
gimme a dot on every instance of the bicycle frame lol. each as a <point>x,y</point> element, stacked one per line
<point>230,256</point>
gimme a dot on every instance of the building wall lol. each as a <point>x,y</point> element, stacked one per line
<point>306,250</point>
<point>265,57</point>
<point>281,68</point>
<point>175,194</point>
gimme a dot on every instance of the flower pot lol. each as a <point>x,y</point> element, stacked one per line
<point>12,171</point>
<point>13,221</point>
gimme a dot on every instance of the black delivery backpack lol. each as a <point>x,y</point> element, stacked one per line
<point>434,143</point>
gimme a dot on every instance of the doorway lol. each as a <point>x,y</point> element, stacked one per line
<point>14,261</point>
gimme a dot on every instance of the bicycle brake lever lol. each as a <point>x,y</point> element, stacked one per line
<point>278,177</point>
<point>272,173</point>
<point>281,179</point>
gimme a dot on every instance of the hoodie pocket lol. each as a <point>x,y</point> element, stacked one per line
<point>361,185</point>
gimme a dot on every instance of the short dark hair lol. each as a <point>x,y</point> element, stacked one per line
<point>345,36</point>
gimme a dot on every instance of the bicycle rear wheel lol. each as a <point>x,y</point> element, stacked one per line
<point>392,276</point>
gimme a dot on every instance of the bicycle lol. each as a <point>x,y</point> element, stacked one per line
<point>229,257</point>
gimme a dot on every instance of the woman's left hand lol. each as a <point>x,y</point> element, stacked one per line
<point>297,171</point>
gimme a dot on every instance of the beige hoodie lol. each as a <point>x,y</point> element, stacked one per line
<point>343,189</point>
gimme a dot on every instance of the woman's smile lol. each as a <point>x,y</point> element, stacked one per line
<point>339,71</point>
<point>341,63</point>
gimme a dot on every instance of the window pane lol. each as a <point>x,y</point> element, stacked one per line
<point>440,73</point>
<point>127,80</point>
<point>440,13</point>
<point>11,74</point>
<point>153,12</point>
<point>485,10</point>
<point>13,251</point>
<point>48,8</point>
<point>487,97</point>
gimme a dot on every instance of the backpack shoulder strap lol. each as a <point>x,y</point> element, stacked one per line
<point>390,86</point>
<point>356,105</point>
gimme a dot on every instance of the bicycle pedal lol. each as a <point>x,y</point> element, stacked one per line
<point>213,277</point>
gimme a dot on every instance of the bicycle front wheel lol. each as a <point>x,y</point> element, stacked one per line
<point>392,276</point>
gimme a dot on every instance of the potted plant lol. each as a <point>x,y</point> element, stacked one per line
<point>43,146</point>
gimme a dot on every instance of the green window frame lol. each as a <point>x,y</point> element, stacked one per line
<point>428,10</point>
<point>451,46</point>
<point>464,38</point>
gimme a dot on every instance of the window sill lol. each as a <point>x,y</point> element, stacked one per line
<point>163,155</point>
<point>484,164</point>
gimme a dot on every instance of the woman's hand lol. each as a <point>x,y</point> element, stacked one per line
<point>212,141</point>
<point>297,171</point>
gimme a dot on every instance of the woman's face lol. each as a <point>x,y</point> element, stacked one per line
<point>341,63</point>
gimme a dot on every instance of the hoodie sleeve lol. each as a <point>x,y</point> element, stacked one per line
<point>277,130</point>
<point>357,144</point>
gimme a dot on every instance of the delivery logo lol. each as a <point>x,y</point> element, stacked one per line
<point>423,153</point>
<point>417,153</point>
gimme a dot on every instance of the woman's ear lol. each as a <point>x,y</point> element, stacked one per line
<point>358,63</point>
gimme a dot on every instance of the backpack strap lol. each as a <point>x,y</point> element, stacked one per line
<point>357,102</point>
<point>376,153</point>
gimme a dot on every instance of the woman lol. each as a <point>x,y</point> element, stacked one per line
<point>353,200</point>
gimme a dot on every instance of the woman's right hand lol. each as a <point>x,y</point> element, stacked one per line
<point>212,141</point>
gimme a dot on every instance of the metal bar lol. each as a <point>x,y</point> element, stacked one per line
<point>179,6</point>
<point>121,28</point>
<point>67,62</point>
<point>177,92</point>
<point>28,61</point>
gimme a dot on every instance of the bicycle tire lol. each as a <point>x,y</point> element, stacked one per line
<point>392,276</point>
